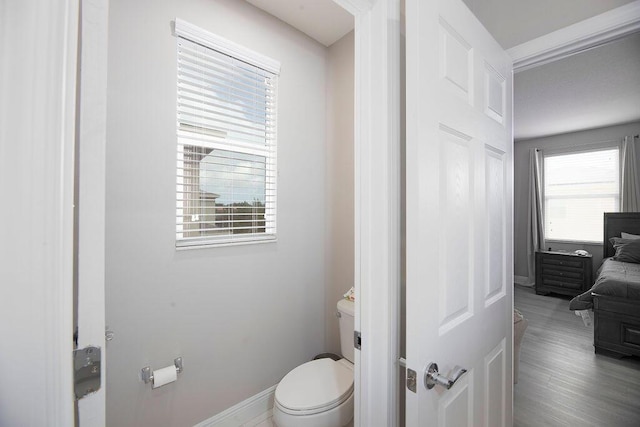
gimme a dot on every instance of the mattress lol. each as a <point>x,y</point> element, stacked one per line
<point>614,278</point>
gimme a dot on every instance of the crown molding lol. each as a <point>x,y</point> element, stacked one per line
<point>355,7</point>
<point>596,31</point>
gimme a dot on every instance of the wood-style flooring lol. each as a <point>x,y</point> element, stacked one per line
<point>562,381</point>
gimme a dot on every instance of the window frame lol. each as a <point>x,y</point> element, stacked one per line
<point>600,146</point>
<point>184,138</point>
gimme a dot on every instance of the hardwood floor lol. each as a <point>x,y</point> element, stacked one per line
<point>562,382</point>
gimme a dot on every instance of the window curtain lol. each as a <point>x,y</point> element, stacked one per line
<point>535,222</point>
<point>629,191</point>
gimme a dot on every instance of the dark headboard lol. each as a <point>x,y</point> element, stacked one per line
<point>616,223</point>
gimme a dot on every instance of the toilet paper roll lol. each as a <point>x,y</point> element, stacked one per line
<point>164,376</point>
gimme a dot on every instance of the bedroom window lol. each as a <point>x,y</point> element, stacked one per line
<point>578,188</point>
<point>226,141</point>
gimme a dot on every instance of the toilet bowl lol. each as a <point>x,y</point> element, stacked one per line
<point>319,393</point>
<point>316,394</point>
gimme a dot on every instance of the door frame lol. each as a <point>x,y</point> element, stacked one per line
<point>377,208</point>
<point>91,196</point>
<point>377,182</point>
<point>37,122</point>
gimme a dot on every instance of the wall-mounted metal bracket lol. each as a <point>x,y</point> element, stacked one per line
<point>147,374</point>
<point>86,371</point>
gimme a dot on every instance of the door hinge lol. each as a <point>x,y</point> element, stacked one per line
<point>357,341</point>
<point>86,371</point>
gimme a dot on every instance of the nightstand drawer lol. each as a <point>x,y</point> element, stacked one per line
<point>573,274</point>
<point>562,262</point>
<point>559,283</point>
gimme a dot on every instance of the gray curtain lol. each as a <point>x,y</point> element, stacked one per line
<point>535,222</point>
<point>629,196</point>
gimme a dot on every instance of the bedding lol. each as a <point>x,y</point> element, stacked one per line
<point>627,250</point>
<point>629,236</point>
<point>614,278</point>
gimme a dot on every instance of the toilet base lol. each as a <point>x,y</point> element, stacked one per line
<point>340,416</point>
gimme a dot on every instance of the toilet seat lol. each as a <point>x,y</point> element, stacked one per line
<point>315,387</point>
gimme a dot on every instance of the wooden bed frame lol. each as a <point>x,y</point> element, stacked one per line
<point>616,329</point>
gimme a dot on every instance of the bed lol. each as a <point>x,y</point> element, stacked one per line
<point>615,295</point>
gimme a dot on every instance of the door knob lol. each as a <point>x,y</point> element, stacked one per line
<point>432,377</point>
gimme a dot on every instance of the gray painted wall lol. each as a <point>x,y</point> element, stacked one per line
<point>243,316</point>
<point>339,179</point>
<point>521,184</point>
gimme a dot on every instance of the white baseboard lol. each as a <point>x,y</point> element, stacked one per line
<point>243,411</point>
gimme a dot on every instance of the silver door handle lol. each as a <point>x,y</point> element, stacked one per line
<point>432,377</point>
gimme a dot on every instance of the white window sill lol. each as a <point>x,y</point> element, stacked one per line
<point>186,246</point>
<point>574,242</point>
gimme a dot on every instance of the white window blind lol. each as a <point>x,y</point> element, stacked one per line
<point>226,125</point>
<point>578,188</point>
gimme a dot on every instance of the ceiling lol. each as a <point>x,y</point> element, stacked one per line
<point>596,88</point>
<point>513,22</point>
<point>322,20</point>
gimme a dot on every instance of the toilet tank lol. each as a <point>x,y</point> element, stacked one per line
<point>346,311</point>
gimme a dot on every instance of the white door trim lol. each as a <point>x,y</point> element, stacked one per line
<point>592,32</point>
<point>377,208</point>
<point>37,136</point>
<point>91,176</point>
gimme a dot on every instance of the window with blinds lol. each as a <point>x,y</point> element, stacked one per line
<point>226,132</point>
<point>578,188</point>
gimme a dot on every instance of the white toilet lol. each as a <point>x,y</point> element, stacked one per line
<point>320,393</point>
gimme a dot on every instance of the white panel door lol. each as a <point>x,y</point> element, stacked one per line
<point>459,217</point>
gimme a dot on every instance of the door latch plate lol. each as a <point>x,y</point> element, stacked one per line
<point>412,380</point>
<point>86,371</point>
<point>357,340</point>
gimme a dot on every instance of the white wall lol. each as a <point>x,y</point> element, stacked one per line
<point>241,317</point>
<point>339,181</point>
<point>521,184</point>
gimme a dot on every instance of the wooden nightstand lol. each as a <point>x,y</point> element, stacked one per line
<point>563,273</point>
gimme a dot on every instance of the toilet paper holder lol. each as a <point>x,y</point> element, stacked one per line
<point>147,373</point>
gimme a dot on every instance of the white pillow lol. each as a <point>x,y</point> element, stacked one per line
<point>629,236</point>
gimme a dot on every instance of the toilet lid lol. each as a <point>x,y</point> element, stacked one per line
<point>315,386</point>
